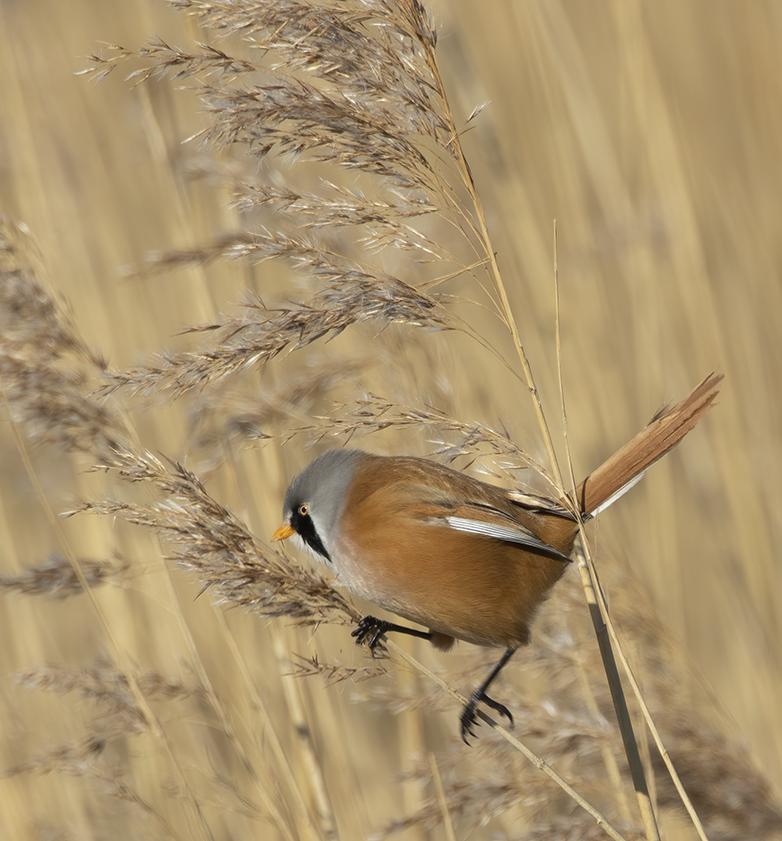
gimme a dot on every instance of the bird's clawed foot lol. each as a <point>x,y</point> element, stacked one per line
<point>469,719</point>
<point>370,631</point>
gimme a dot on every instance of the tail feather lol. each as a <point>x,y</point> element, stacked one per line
<point>663,433</point>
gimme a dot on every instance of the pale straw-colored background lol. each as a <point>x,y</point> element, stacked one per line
<point>652,133</point>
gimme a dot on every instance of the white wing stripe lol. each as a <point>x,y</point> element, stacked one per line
<point>512,535</point>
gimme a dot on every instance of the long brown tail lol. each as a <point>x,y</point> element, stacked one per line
<point>665,430</point>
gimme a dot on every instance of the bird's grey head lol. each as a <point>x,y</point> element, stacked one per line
<point>315,499</point>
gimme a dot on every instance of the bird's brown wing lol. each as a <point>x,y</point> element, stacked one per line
<point>484,517</point>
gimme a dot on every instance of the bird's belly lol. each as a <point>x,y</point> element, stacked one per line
<point>473,588</point>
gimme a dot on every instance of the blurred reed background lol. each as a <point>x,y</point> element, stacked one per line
<point>652,134</point>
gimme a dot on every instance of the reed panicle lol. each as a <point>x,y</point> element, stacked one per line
<point>106,687</point>
<point>214,544</point>
<point>455,439</point>
<point>228,415</point>
<point>56,576</point>
<point>331,673</point>
<point>381,111</point>
<point>46,368</point>
<point>114,713</point>
<point>258,337</point>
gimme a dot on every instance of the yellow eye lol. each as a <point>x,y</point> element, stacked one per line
<point>304,509</point>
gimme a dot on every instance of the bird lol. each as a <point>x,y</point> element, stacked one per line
<point>465,559</point>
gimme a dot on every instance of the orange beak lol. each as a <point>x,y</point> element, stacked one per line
<point>283,532</point>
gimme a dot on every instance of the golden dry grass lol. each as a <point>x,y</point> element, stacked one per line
<point>652,134</point>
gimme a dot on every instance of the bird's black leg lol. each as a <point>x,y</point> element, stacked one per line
<point>468,718</point>
<point>370,630</point>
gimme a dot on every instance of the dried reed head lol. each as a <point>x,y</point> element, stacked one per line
<point>46,368</point>
<point>211,541</point>
<point>329,90</point>
<point>57,577</point>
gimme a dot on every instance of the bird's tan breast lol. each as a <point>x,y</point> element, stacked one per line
<point>393,551</point>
